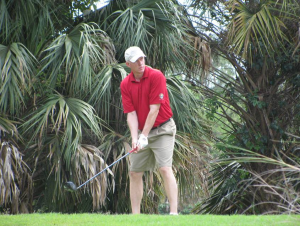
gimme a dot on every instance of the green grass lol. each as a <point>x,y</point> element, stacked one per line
<point>131,220</point>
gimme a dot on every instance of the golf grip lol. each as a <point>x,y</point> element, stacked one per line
<point>107,168</point>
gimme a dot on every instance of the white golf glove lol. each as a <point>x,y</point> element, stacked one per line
<point>142,142</point>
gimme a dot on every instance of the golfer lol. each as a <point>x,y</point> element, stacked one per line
<point>149,116</point>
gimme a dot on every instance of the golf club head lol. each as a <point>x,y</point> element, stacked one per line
<point>70,186</point>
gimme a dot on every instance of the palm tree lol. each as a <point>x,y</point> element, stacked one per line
<point>62,87</point>
<point>15,177</point>
<point>258,105</point>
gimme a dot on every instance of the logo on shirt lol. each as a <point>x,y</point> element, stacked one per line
<point>161,96</point>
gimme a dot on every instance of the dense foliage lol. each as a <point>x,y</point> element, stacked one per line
<point>257,104</point>
<point>235,63</point>
<point>61,113</point>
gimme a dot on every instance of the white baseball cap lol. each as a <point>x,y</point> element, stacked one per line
<point>133,53</point>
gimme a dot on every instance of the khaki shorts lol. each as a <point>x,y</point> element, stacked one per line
<point>159,149</point>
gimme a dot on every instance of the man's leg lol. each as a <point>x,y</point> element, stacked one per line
<point>170,187</point>
<point>136,191</point>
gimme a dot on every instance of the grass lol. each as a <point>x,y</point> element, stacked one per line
<point>131,220</point>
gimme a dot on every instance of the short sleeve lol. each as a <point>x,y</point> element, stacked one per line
<point>126,99</point>
<point>158,89</point>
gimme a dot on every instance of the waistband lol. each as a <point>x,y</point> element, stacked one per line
<point>161,124</point>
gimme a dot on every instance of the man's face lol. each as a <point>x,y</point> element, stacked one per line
<point>138,67</point>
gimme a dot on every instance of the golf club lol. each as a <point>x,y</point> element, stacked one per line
<point>70,186</point>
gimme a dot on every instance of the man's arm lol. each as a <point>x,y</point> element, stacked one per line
<point>133,124</point>
<point>132,121</point>
<point>154,109</point>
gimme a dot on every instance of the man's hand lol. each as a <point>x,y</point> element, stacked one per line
<point>142,142</point>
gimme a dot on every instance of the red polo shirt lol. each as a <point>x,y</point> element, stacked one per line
<point>139,95</point>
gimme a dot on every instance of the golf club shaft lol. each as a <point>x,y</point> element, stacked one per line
<point>106,168</point>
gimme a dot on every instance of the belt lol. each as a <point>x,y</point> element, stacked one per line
<point>161,124</point>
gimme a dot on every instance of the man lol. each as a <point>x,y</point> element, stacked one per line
<point>149,116</point>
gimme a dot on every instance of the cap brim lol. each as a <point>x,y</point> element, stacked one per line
<point>133,59</point>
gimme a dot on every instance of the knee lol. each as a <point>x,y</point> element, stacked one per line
<point>166,171</point>
<point>135,175</point>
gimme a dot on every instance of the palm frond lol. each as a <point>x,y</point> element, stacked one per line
<point>62,115</point>
<point>236,188</point>
<point>8,127</point>
<point>255,31</point>
<point>77,56</point>
<point>33,28</point>
<point>18,66</point>
<point>191,157</point>
<point>158,29</point>
<point>186,108</point>
<point>105,94</point>
<point>87,163</point>
<point>15,180</point>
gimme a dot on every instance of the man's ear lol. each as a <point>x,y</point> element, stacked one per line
<point>127,64</point>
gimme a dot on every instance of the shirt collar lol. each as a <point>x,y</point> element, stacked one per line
<point>145,75</point>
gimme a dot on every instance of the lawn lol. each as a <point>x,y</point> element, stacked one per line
<point>132,220</point>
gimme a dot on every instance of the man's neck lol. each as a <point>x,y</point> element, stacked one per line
<point>138,77</point>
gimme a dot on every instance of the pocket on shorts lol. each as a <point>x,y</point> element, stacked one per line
<point>168,128</point>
